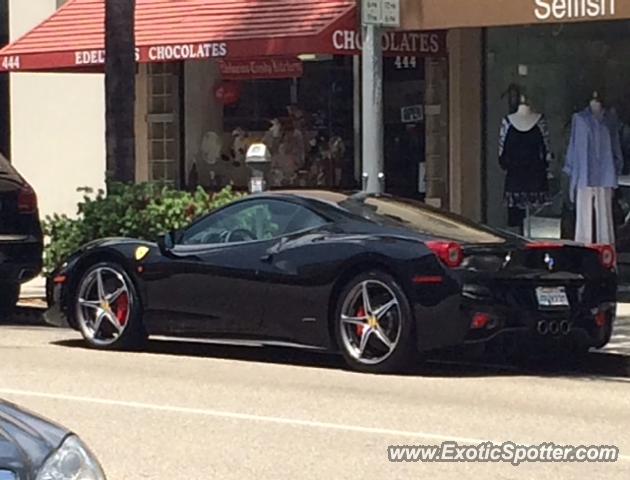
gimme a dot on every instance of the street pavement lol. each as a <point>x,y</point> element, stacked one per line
<point>198,411</point>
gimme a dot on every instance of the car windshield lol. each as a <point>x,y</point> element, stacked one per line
<point>420,218</point>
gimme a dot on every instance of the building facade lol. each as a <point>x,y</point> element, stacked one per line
<point>57,122</point>
<point>451,75</point>
<point>558,55</point>
<point>5,120</point>
<point>200,104</point>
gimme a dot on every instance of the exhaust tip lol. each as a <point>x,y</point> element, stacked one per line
<point>554,328</point>
<point>542,327</point>
<point>565,327</point>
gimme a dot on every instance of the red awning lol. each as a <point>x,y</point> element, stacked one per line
<point>174,30</point>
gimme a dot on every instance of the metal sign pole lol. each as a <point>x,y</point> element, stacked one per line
<point>376,14</point>
<point>372,93</point>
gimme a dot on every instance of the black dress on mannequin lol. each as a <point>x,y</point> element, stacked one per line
<point>523,155</point>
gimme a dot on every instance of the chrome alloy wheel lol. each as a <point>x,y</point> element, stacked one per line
<point>371,322</point>
<point>103,306</point>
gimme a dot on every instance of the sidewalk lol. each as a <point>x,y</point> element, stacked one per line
<point>623,310</point>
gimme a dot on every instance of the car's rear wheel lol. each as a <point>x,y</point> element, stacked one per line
<point>374,324</point>
<point>107,308</point>
<point>9,296</point>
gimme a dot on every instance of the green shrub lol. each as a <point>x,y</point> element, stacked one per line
<point>144,211</point>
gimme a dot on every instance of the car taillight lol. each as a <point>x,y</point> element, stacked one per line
<point>607,255</point>
<point>450,253</point>
<point>27,200</point>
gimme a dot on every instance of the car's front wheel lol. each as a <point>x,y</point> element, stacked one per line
<point>374,324</point>
<point>107,308</point>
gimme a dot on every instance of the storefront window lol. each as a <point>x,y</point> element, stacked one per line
<point>307,122</point>
<point>555,71</point>
<point>162,119</point>
<point>258,102</point>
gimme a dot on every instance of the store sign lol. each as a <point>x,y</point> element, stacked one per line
<point>261,68</point>
<point>412,114</point>
<point>559,10</point>
<point>447,14</point>
<point>394,43</point>
<point>155,53</point>
<point>187,51</point>
<point>94,57</point>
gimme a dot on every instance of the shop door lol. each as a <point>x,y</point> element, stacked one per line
<point>404,125</point>
<point>163,124</point>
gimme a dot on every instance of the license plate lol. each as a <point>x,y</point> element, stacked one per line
<point>552,297</point>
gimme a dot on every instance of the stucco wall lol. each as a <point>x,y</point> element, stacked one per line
<point>58,123</point>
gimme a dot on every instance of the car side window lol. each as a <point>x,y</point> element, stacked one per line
<point>251,221</point>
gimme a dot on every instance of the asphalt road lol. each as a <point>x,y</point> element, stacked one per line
<point>194,411</point>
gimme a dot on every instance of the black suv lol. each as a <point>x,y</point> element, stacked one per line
<point>21,239</point>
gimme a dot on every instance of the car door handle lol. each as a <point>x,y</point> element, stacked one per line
<point>273,251</point>
<point>267,258</point>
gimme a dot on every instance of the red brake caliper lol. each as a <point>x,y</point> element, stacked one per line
<point>122,308</point>
<point>360,328</point>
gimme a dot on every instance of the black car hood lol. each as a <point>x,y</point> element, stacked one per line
<point>26,440</point>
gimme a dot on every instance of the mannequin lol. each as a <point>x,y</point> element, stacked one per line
<point>524,118</point>
<point>594,162</point>
<point>596,106</point>
<point>523,153</point>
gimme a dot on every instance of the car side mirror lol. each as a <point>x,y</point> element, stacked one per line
<point>166,243</point>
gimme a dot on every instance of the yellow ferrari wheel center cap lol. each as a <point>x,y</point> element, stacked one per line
<point>373,322</point>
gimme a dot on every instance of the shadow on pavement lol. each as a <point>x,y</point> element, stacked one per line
<point>25,316</point>
<point>452,364</point>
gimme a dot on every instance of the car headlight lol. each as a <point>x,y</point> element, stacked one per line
<point>72,461</point>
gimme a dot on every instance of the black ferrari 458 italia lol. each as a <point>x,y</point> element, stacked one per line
<point>376,278</point>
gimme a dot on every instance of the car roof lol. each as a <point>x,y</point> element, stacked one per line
<point>316,199</point>
<point>320,199</point>
<point>327,196</point>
